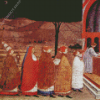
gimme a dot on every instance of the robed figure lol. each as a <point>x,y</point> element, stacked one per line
<point>77,71</point>
<point>10,78</point>
<point>63,73</point>
<point>46,73</point>
<point>88,58</point>
<point>29,73</point>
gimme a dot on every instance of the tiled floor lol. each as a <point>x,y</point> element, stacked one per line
<point>85,95</point>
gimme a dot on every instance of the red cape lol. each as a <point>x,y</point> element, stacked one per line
<point>30,72</point>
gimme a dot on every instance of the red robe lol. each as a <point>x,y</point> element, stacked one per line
<point>29,73</point>
<point>10,76</point>
<point>46,71</point>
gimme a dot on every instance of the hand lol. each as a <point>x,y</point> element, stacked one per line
<point>99,54</point>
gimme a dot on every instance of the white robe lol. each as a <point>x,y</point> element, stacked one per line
<point>88,61</point>
<point>77,73</point>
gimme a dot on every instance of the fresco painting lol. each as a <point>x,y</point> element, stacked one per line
<point>49,50</point>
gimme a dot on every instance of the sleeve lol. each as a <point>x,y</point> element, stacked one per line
<point>92,52</point>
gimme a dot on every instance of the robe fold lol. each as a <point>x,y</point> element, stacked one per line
<point>63,75</point>
<point>88,59</point>
<point>46,74</point>
<point>29,74</point>
<point>10,79</point>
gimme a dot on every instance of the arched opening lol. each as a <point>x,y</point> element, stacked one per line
<point>91,24</point>
<point>88,42</point>
<point>92,18</point>
<point>96,40</point>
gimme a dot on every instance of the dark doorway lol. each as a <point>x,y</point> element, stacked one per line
<point>96,40</point>
<point>88,42</point>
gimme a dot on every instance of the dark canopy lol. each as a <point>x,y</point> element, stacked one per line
<point>56,11</point>
<point>44,10</point>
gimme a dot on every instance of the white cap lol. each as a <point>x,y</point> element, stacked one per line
<point>5,45</point>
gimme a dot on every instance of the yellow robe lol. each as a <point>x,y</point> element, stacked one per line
<point>63,75</point>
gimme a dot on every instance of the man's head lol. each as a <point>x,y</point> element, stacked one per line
<point>63,49</point>
<point>47,49</point>
<point>78,53</point>
<point>93,44</point>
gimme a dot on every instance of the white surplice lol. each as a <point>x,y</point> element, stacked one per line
<point>77,73</point>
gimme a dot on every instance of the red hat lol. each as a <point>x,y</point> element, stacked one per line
<point>62,48</point>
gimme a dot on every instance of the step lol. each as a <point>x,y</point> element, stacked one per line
<point>95,79</point>
<point>94,90</point>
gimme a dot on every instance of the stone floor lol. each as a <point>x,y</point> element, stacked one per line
<point>85,95</point>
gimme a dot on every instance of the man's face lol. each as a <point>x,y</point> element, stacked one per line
<point>94,46</point>
<point>48,51</point>
<point>33,50</point>
<point>79,54</point>
<point>66,51</point>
